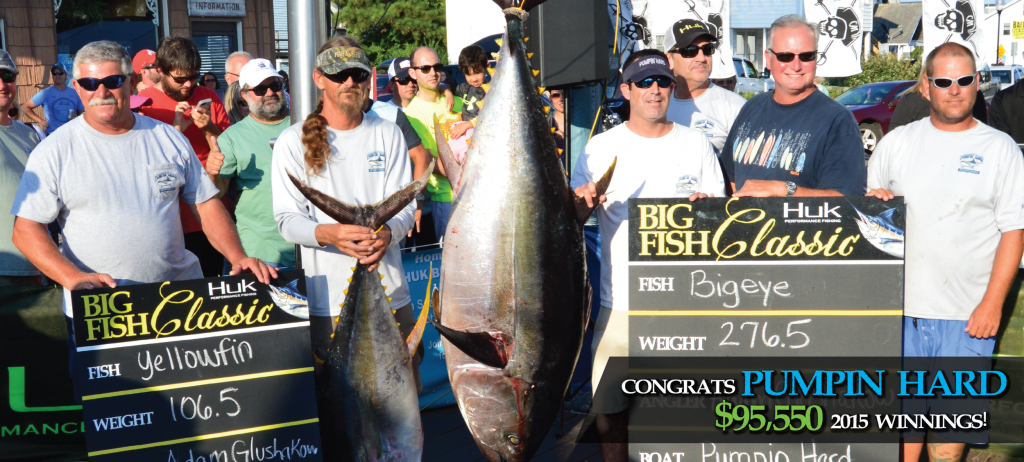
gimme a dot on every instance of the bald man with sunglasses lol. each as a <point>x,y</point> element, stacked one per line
<point>795,140</point>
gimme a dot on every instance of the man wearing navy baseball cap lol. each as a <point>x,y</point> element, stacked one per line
<point>60,102</point>
<point>654,158</point>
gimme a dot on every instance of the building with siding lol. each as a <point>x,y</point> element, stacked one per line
<point>29,31</point>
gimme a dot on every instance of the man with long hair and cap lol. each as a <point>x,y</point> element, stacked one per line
<point>356,158</point>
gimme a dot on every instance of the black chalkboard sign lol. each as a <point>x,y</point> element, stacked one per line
<point>209,369</point>
<point>766,277</point>
<point>744,277</point>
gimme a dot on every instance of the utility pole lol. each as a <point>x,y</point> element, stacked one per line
<point>307,30</point>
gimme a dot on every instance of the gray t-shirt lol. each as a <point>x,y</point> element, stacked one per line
<point>16,141</point>
<point>116,199</point>
<point>962,190</point>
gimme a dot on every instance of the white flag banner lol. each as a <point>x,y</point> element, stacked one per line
<point>839,35</point>
<point>954,21</point>
<point>715,15</point>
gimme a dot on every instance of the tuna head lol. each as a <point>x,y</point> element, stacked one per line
<point>500,413</point>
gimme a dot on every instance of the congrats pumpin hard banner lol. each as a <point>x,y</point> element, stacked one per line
<point>715,16</point>
<point>769,278</point>
<point>954,21</point>
<point>840,35</point>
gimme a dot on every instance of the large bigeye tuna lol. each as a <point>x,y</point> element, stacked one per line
<point>369,409</point>
<point>514,297</point>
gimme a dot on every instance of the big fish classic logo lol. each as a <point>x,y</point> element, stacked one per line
<point>969,163</point>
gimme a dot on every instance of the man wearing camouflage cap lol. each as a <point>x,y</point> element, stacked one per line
<point>356,158</point>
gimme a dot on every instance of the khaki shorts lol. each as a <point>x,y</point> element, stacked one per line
<point>611,338</point>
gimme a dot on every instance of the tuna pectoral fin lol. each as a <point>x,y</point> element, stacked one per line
<point>488,349</point>
<point>582,210</point>
<point>452,167</point>
<point>435,299</point>
<point>370,216</point>
<point>413,341</point>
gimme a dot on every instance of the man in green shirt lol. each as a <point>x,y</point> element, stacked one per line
<point>16,140</point>
<point>245,156</point>
<point>429,101</point>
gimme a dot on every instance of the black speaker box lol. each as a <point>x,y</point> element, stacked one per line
<point>569,41</point>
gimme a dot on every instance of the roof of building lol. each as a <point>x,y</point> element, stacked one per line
<point>897,22</point>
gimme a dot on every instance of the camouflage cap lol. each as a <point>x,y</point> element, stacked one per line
<point>338,59</point>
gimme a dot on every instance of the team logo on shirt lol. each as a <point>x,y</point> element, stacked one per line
<point>704,125</point>
<point>375,161</point>
<point>687,184</point>
<point>166,183</point>
<point>969,163</point>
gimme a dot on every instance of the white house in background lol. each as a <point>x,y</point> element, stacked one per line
<point>1010,32</point>
<point>897,28</point>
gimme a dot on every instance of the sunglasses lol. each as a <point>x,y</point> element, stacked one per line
<point>691,51</point>
<point>8,77</point>
<point>210,79</point>
<point>260,90</point>
<point>806,56</point>
<point>111,82</point>
<point>57,73</point>
<point>945,82</point>
<point>405,81</point>
<point>357,76</point>
<point>426,69</point>
<point>663,82</point>
<point>183,80</point>
<point>556,95</point>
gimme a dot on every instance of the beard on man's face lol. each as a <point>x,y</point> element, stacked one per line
<point>180,93</point>
<point>350,106</point>
<point>269,108</point>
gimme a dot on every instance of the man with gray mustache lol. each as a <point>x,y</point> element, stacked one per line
<point>243,154</point>
<point>113,180</point>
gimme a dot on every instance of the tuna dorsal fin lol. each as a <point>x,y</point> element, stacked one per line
<point>370,216</point>
<point>490,349</point>
<point>435,300</point>
<point>452,167</point>
<point>413,341</point>
<point>582,211</point>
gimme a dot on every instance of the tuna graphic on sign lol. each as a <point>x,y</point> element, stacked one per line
<point>881,232</point>
<point>843,26</point>
<point>960,20</point>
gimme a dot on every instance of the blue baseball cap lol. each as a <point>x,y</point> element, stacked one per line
<point>648,66</point>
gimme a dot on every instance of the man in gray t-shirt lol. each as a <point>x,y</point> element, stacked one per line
<point>113,179</point>
<point>16,141</point>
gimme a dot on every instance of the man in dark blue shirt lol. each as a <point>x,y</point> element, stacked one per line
<point>794,141</point>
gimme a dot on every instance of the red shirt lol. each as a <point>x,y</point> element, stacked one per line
<point>163,106</point>
<point>162,109</point>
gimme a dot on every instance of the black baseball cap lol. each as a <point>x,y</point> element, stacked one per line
<point>647,66</point>
<point>684,32</point>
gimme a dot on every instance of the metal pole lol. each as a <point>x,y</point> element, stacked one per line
<point>999,28</point>
<point>307,30</point>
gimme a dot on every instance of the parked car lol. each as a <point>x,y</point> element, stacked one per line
<point>988,85</point>
<point>1007,75</point>
<point>748,80</point>
<point>873,105</point>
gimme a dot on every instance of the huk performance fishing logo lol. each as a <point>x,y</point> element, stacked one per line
<point>843,27</point>
<point>960,20</point>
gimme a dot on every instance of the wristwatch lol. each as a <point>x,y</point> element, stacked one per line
<point>790,188</point>
<point>420,197</point>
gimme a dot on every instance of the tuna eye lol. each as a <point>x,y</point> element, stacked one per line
<point>513,439</point>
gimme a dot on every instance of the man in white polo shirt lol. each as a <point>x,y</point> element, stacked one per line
<point>963,183</point>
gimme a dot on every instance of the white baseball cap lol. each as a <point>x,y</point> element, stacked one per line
<point>255,72</point>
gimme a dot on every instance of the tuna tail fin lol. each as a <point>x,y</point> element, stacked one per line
<point>582,210</point>
<point>413,341</point>
<point>452,167</point>
<point>370,216</point>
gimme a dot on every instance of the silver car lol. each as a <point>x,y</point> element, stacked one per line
<point>748,80</point>
<point>1007,75</point>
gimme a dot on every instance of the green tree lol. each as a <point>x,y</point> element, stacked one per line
<point>883,67</point>
<point>77,13</point>
<point>406,25</point>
